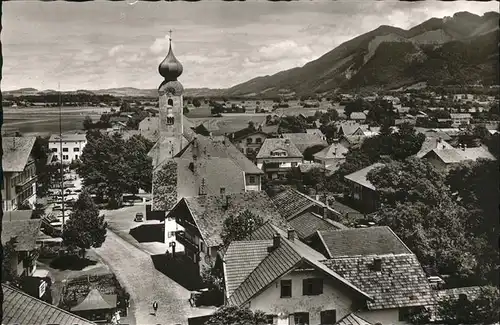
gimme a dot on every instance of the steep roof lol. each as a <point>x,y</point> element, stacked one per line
<point>305,140</point>
<point>475,153</point>
<point>16,153</point>
<point>335,150</point>
<point>281,260</point>
<point>448,156</point>
<point>209,212</point>
<point>354,139</point>
<point>271,144</point>
<point>431,143</point>
<point>306,224</point>
<point>21,308</point>
<point>359,176</point>
<point>96,301</point>
<point>362,242</point>
<point>349,127</point>
<point>400,283</point>
<point>352,319</point>
<point>316,132</point>
<point>25,231</point>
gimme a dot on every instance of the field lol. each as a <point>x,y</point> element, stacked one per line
<point>45,120</point>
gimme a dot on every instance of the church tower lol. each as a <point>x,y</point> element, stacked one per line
<point>170,105</point>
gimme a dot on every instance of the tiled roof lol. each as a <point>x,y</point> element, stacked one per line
<point>241,258</point>
<point>354,139</point>
<point>343,209</point>
<point>316,132</point>
<point>359,176</point>
<point>431,143</point>
<point>306,224</point>
<point>278,262</point>
<point>460,115</point>
<point>475,153</point>
<point>448,156</point>
<point>69,137</point>
<point>352,319</point>
<point>160,152</point>
<point>433,133</point>
<point>241,134</point>
<point>214,172</point>
<point>17,215</point>
<point>16,152</point>
<point>454,293</point>
<point>149,128</point>
<point>357,116</point>
<point>25,231</point>
<point>349,127</point>
<point>20,308</point>
<point>95,301</point>
<point>271,144</point>
<point>335,150</point>
<point>209,212</point>
<point>291,202</point>
<point>400,283</point>
<point>362,242</point>
<point>305,140</point>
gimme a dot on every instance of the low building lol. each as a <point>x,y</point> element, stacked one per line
<point>362,192</point>
<point>459,119</point>
<point>331,156</point>
<point>202,218</point>
<point>25,234</point>
<point>96,306</point>
<point>72,146</point>
<point>445,159</point>
<point>21,308</point>
<point>19,172</point>
<point>350,141</point>
<point>306,140</point>
<point>432,143</point>
<point>278,156</point>
<point>347,128</point>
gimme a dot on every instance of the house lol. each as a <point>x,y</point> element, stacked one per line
<point>21,308</point>
<point>25,233</point>
<point>306,140</point>
<point>202,218</point>
<point>362,192</point>
<point>333,155</point>
<point>249,141</point>
<point>348,128</point>
<point>431,143</point>
<point>358,116</point>
<point>367,131</point>
<point>444,159</point>
<point>459,119</point>
<point>118,121</point>
<point>19,173</point>
<point>277,156</point>
<point>350,141</point>
<point>205,166</point>
<point>96,306</point>
<point>69,148</point>
<point>273,271</point>
<point>405,121</point>
<point>316,132</point>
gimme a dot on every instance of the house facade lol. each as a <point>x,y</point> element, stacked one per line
<point>250,143</point>
<point>362,193</point>
<point>277,157</point>
<point>19,172</point>
<point>459,119</point>
<point>72,147</point>
<point>332,156</point>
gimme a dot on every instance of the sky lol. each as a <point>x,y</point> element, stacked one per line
<point>102,44</point>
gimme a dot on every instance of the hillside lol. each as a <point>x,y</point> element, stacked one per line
<point>461,49</point>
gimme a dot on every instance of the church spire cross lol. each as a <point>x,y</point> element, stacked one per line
<point>170,35</point>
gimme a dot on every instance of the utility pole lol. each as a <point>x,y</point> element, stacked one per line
<point>61,167</point>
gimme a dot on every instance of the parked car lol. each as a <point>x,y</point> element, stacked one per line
<point>139,217</point>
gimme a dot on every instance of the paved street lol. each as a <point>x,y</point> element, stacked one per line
<point>134,269</point>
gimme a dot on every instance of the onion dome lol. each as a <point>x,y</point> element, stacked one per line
<point>170,68</point>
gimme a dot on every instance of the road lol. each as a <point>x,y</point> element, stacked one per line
<point>134,269</point>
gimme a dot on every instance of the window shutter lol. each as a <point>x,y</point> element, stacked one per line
<point>319,284</point>
<point>304,287</point>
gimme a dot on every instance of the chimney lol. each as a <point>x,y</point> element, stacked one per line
<point>225,203</point>
<point>377,264</point>
<point>276,243</point>
<point>222,191</point>
<point>291,234</point>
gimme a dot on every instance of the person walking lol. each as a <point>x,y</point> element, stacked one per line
<point>155,307</point>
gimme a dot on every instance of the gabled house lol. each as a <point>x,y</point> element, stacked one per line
<point>277,156</point>
<point>444,159</point>
<point>350,141</point>
<point>19,173</point>
<point>348,127</point>
<point>361,190</point>
<point>72,146</point>
<point>202,218</point>
<point>305,140</point>
<point>460,119</point>
<point>21,308</point>
<point>276,273</point>
<point>432,143</point>
<point>332,156</point>
<point>249,141</point>
<point>358,116</point>
<point>25,234</point>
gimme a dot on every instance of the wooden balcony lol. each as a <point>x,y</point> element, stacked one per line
<point>186,241</point>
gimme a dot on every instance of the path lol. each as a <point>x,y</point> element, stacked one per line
<point>136,272</point>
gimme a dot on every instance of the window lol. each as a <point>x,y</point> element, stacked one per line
<point>249,140</point>
<point>251,180</point>
<point>301,318</point>
<point>170,120</point>
<point>65,157</point>
<point>258,140</point>
<point>65,149</point>
<point>170,102</point>
<point>54,149</point>
<point>328,317</point>
<point>202,246</point>
<point>286,288</point>
<point>76,156</point>
<point>76,149</point>
<point>294,164</point>
<point>312,287</point>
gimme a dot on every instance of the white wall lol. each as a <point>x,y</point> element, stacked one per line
<point>70,145</point>
<point>170,228</point>
<point>385,316</point>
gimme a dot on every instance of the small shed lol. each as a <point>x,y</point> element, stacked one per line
<point>96,307</point>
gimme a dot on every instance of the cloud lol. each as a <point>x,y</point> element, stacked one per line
<point>160,45</point>
<point>115,49</point>
<point>278,51</point>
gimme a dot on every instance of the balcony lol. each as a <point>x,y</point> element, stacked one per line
<point>187,224</point>
<point>186,241</point>
<point>22,187</point>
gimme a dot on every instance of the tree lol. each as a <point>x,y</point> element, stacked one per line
<point>234,315</point>
<point>357,105</point>
<point>85,227</point>
<point>484,309</point>
<point>43,171</point>
<point>24,206</point>
<point>87,123</point>
<point>310,151</point>
<point>315,177</point>
<point>185,110</point>
<point>251,125</point>
<point>238,227</point>
<point>196,102</point>
<point>9,270</point>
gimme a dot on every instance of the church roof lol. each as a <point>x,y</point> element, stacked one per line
<point>170,68</point>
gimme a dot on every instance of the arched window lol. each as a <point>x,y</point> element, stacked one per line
<point>170,120</point>
<point>170,102</point>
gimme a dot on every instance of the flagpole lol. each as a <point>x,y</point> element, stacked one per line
<point>61,160</point>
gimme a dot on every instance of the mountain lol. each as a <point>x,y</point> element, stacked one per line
<point>462,49</point>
